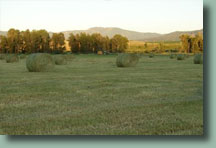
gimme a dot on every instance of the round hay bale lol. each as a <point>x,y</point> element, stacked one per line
<point>151,55</point>
<point>22,56</point>
<point>198,59</point>
<point>39,62</point>
<point>69,57</point>
<point>100,52</point>
<point>126,60</point>
<point>60,60</point>
<point>172,56</point>
<point>12,58</point>
<point>2,56</point>
<point>180,57</point>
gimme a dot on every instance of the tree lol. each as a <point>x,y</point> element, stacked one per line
<point>44,41</point>
<point>119,43</point>
<point>97,42</point>
<point>192,43</point>
<point>3,44</point>
<point>185,39</point>
<point>85,42</point>
<point>26,41</point>
<point>74,43</point>
<point>14,42</point>
<point>35,41</point>
<point>57,42</point>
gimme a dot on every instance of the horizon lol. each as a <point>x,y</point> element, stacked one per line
<point>105,27</point>
<point>160,17</point>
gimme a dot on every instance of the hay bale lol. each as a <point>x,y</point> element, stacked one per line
<point>127,60</point>
<point>22,56</point>
<point>180,56</point>
<point>172,56</point>
<point>198,59</point>
<point>151,55</point>
<point>2,56</point>
<point>100,52</point>
<point>12,58</point>
<point>60,60</point>
<point>69,57</point>
<point>39,62</point>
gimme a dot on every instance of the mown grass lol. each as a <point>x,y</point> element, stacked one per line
<point>90,95</point>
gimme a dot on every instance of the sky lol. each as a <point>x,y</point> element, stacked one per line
<point>159,16</point>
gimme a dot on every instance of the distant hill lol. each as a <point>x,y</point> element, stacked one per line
<point>131,35</point>
<point>110,32</point>
<point>173,36</point>
<point>3,32</point>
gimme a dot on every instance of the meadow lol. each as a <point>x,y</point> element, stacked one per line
<point>148,47</point>
<point>92,96</point>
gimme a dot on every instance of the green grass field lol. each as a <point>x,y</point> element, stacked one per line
<point>91,96</point>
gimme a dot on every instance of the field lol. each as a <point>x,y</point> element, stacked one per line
<point>141,46</point>
<point>91,96</point>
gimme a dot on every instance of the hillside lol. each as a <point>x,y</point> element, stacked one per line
<point>131,35</point>
<point>110,32</point>
<point>174,36</point>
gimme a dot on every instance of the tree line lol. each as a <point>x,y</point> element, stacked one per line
<point>40,41</point>
<point>192,43</point>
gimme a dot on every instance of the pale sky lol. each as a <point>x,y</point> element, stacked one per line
<point>161,16</point>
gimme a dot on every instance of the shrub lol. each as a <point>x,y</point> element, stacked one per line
<point>60,60</point>
<point>11,58</point>
<point>198,59</point>
<point>39,62</point>
<point>180,56</point>
<point>151,55</point>
<point>172,56</point>
<point>127,60</point>
<point>2,56</point>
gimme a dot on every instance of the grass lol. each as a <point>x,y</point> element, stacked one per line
<point>90,95</point>
<point>139,46</point>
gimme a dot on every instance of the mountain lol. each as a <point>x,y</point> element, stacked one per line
<point>110,32</point>
<point>173,36</point>
<point>131,35</point>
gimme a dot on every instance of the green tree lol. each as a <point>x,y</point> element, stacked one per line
<point>13,38</point>
<point>57,42</point>
<point>119,43</point>
<point>185,39</point>
<point>97,42</point>
<point>26,41</point>
<point>3,44</point>
<point>74,43</point>
<point>44,41</point>
<point>35,41</point>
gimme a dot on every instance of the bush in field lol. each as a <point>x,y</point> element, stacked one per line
<point>172,56</point>
<point>39,62</point>
<point>151,55</point>
<point>198,59</point>
<point>60,60</point>
<point>11,58</point>
<point>22,56</point>
<point>2,56</point>
<point>180,56</point>
<point>127,60</point>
